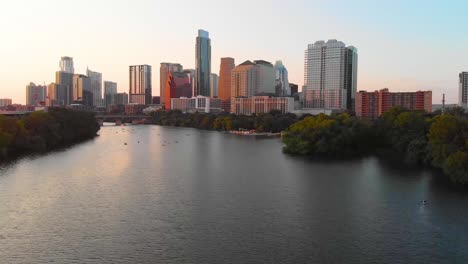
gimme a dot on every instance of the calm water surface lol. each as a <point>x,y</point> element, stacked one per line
<point>187,196</point>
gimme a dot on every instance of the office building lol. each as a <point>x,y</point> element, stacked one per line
<point>371,105</point>
<point>96,86</point>
<point>261,104</point>
<point>281,80</point>
<point>166,68</point>
<point>191,74</point>
<point>244,80</point>
<point>294,88</point>
<point>66,65</point>
<point>110,88</point>
<point>463,90</point>
<point>265,78</point>
<point>202,64</point>
<point>330,78</point>
<point>82,93</point>
<point>56,94</point>
<point>197,104</point>
<point>66,79</point>
<point>140,90</point>
<point>35,94</point>
<point>214,82</point>
<point>224,83</point>
<point>5,102</point>
<point>178,85</point>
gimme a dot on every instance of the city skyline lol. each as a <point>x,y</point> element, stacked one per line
<point>366,25</point>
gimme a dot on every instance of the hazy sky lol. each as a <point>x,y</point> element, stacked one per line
<point>403,45</point>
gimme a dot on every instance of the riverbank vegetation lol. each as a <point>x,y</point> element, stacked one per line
<point>273,122</point>
<point>44,131</point>
<point>439,140</point>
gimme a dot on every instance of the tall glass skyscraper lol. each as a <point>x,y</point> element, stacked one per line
<point>203,64</point>
<point>140,89</point>
<point>66,65</point>
<point>282,82</point>
<point>96,86</point>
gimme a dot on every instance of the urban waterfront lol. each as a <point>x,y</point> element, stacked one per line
<point>150,194</point>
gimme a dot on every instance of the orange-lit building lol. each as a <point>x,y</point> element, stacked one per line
<point>371,105</point>
<point>177,85</point>
<point>224,87</point>
<point>261,104</point>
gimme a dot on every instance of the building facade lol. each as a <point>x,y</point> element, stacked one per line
<point>96,86</point>
<point>140,90</point>
<point>214,82</point>
<point>177,85</point>
<point>371,105</point>
<point>463,90</point>
<point>56,94</point>
<point>165,68</point>
<point>224,84</point>
<point>330,75</point>
<point>281,80</point>
<point>197,104</point>
<point>294,88</point>
<point>202,64</point>
<point>82,93</point>
<point>5,102</point>
<point>66,65</point>
<point>265,78</point>
<point>66,79</point>
<point>244,80</point>
<point>110,88</point>
<point>35,94</point>
<point>261,104</point>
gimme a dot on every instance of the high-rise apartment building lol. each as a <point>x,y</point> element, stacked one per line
<point>82,93</point>
<point>371,105</point>
<point>35,94</point>
<point>463,90</point>
<point>140,90</point>
<point>66,65</point>
<point>330,78</point>
<point>281,80</point>
<point>57,94</point>
<point>5,102</point>
<point>166,68</point>
<point>244,80</point>
<point>178,85</point>
<point>96,86</point>
<point>202,64</point>
<point>214,84</point>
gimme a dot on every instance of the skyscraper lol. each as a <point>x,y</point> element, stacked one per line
<point>224,82</point>
<point>35,94</point>
<point>110,88</point>
<point>191,75</point>
<point>265,78</point>
<point>66,79</point>
<point>56,94</point>
<point>244,80</point>
<point>330,75</point>
<point>225,69</point>
<point>66,65</point>
<point>82,93</point>
<point>140,90</point>
<point>178,85</point>
<point>281,79</point>
<point>214,80</point>
<point>96,86</point>
<point>166,68</point>
<point>463,92</point>
<point>202,64</point>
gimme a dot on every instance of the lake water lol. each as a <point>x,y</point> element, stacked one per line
<point>176,195</point>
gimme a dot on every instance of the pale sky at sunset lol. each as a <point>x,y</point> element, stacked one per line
<point>403,45</point>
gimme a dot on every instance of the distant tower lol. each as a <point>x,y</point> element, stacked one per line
<point>443,104</point>
<point>66,65</point>
<point>202,64</point>
<point>140,89</point>
<point>463,92</point>
<point>164,70</point>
